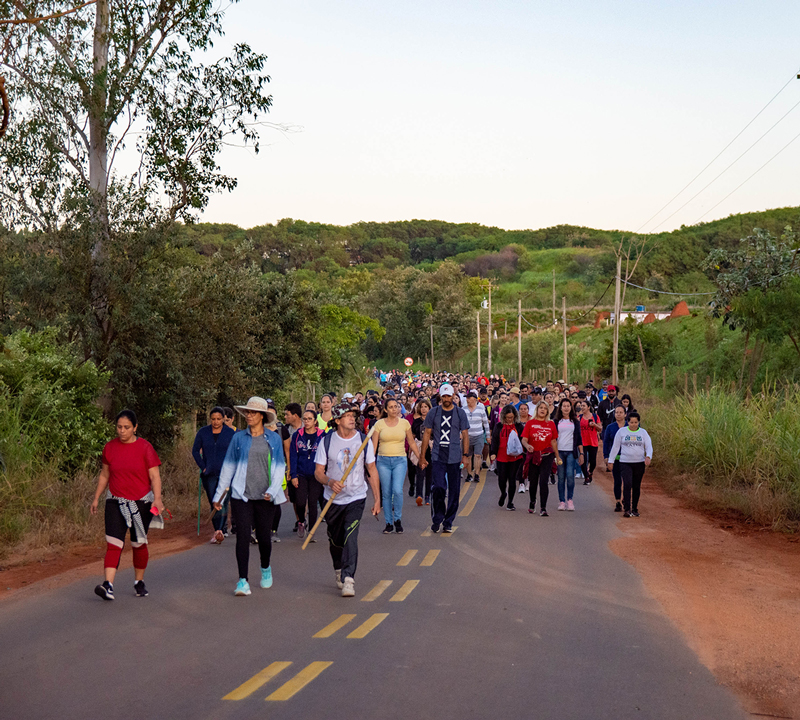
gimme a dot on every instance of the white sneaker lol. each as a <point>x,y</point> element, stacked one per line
<point>349,587</point>
<point>522,488</point>
<point>562,506</point>
<point>339,579</point>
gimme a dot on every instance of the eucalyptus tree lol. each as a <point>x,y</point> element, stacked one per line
<point>119,112</point>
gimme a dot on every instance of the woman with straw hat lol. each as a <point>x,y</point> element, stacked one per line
<point>253,472</point>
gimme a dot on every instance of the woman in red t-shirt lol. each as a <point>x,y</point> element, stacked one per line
<point>539,439</point>
<point>130,474</point>
<point>590,424</point>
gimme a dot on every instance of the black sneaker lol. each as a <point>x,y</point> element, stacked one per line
<point>634,513</point>
<point>388,529</point>
<point>434,528</point>
<point>502,500</point>
<point>484,465</point>
<point>447,529</point>
<point>253,538</point>
<point>398,527</point>
<point>586,482</point>
<point>552,479</point>
<point>140,589</point>
<point>627,513</point>
<point>618,507</point>
<point>511,507</point>
<point>105,591</point>
<point>476,477</point>
<point>543,513</point>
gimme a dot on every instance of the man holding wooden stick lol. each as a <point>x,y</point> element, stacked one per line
<point>335,454</point>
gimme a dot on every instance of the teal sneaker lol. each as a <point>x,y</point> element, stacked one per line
<point>242,587</point>
<point>266,577</point>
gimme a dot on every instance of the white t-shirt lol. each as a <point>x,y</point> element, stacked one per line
<point>566,429</point>
<point>342,452</point>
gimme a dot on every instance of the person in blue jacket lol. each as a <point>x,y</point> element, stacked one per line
<point>608,442</point>
<point>210,445</point>
<point>302,465</point>
<point>253,472</point>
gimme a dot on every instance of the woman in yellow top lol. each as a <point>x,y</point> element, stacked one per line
<point>325,414</point>
<point>392,430</point>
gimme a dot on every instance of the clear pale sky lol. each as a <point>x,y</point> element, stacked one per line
<point>519,115</point>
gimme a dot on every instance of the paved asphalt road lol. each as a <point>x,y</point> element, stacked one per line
<point>515,616</point>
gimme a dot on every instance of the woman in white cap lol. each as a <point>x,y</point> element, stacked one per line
<point>253,472</point>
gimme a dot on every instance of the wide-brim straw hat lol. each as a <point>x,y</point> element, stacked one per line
<point>260,405</point>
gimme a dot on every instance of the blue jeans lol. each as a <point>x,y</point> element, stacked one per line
<point>566,471</point>
<point>392,472</point>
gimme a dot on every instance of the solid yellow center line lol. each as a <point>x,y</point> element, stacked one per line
<point>368,626</point>
<point>255,682</point>
<point>430,558</point>
<point>464,490</point>
<point>407,558</point>
<point>336,625</point>
<point>404,591</point>
<point>377,591</point>
<point>291,687</point>
<point>473,501</point>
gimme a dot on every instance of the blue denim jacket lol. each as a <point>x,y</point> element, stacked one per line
<point>234,467</point>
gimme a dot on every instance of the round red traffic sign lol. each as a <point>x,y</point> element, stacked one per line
<point>409,361</point>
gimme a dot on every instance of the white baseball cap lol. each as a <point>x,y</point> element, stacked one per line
<point>347,396</point>
<point>446,389</point>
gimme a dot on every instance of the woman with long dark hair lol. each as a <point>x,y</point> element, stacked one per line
<point>507,463</point>
<point>634,448</point>
<point>539,439</point>
<point>132,483</point>
<point>590,424</point>
<point>424,475</point>
<point>302,451</point>
<point>570,450</point>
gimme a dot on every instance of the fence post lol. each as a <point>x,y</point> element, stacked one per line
<point>686,383</point>
<point>694,383</point>
<point>663,377</point>
<point>708,383</point>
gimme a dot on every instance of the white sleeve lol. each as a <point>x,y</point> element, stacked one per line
<point>648,445</point>
<point>321,457</point>
<point>370,453</point>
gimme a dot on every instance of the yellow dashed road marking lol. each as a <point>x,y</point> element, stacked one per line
<point>335,626</point>
<point>377,591</point>
<point>430,558</point>
<point>404,591</point>
<point>291,687</point>
<point>470,506</point>
<point>255,682</point>
<point>407,558</point>
<point>367,627</point>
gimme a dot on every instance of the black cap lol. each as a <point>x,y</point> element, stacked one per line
<point>537,390</point>
<point>472,394</point>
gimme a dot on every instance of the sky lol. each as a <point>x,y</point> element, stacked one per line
<point>518,114</point>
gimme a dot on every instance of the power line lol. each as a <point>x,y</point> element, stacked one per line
<point>788,82</point>
<point>664,292</point>
<point>705,187</point>
<point>749,178</point>
<point>595,305</point>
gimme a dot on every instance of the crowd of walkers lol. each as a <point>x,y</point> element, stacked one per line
<point>420,433</point>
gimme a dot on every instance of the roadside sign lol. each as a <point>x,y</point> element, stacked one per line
<point>409,361</point>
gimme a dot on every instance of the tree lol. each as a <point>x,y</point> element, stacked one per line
<point>88,87</point>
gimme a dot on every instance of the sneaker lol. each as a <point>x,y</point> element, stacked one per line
<point>275,537</point>
<point>105,590</point>
<point>213,540</point>
<point>493,467</point>
<point>531,508</point>
<point>219,536</point>
<point>627,513</point>
<point>294,529</point>
<point>434,528</point>
<point>349,587</point>
<point>511,507</point>
<point>447,529</point>
<point>242,587</point>
<point>419,502</point>
<point>570,505</point>
<point>476,477</point>
<point>468,479</point>
<point>484,466</point>
<point>339,579</point>
<point>502,500</point>
<point>253,538</point>
<point>301,530</point>
<point>411,491</point>
<point>618,507</point>
<point>552,479</point>
<point>427,501</point>
<point>266,577</point>
<point>521,489</point>
<point>586,482</point>
<point>140,589</point>
<point>543,513</point>
<point>562,506</point>
<point>634,513</point>
<point>398,527</point>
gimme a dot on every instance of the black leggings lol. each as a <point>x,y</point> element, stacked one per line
<point>632,474</point>
<point>507,478</point>
<point>616,474</point>
<point>541,474</point>
<point>424,479</point>
<point>308,491</point>
<point>589,461</point>
<point>250,514</point>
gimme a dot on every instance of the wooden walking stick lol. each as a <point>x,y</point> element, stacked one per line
<point>344,478</point>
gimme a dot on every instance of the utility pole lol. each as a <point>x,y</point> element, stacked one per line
<point>478,318</point>
<point>617,311</point>
<point>489,351</point>
<point>554,298</point>
<point>433,362</point>
<point>519,340</point>
<point>564,332</point>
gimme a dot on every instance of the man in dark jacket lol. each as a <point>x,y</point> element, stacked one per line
<point>606,407</point>
<point>210,445</point>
